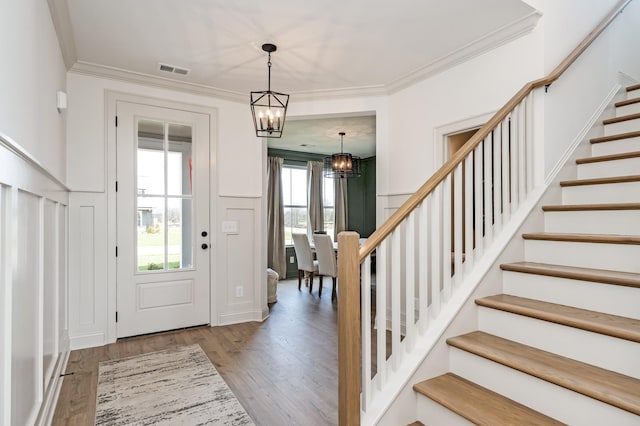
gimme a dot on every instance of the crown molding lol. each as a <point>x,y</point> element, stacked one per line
<point>476,48</point>
<point>113,73</point>
<point>59,11</point>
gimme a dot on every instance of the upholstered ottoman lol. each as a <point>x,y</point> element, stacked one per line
<point>272,285</point>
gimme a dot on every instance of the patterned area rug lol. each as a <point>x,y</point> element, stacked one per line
<point>171,387</point>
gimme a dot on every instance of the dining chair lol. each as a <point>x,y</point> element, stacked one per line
<point>327,263</point>
<point>305,259</point>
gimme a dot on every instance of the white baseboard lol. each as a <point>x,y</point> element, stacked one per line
<point>235,318</point>
<point>50,397</point>
<point>90,340</point>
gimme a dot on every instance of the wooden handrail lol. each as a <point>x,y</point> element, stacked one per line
<point>418,197</point>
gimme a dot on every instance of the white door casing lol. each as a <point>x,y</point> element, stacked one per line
<point>163,236</point>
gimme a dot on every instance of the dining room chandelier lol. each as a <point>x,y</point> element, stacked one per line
<point>269,108</point>
<point>342,164</point>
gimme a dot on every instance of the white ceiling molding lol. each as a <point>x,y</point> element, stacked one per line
<point>490,41</point>
<point>507,33</point>
<point>102,71</point>
<point>59,11</point>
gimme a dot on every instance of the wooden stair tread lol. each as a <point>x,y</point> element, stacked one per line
<point>477,404</point>
<point>621,119</point>
<point>628,279</point>
<point>611,157</point>
<point>632,88</point>
<point>584,238</point>
<point>596,322</point>
<point>600,181</point>
<point>607,386</point>
<point>619,136</point>
<point>589,207</point>
<point>627,102</point>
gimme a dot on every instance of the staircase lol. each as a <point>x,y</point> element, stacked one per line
<point>562,343</point>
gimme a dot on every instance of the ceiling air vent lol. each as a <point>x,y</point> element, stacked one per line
<point>174,69</point>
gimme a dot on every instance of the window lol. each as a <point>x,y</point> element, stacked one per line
<point>294,193</point>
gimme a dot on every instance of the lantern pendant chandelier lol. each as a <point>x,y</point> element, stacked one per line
<point>342,165</point>
<point>269,108</point>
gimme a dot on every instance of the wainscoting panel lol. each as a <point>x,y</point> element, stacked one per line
<point>33,273</point>
<point>241,272</point>
<point>88,269</point>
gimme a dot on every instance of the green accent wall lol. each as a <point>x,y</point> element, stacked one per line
<point>361,193</point>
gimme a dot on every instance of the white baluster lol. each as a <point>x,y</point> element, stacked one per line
<point>410,283</point>
<point>513,160</point>
<point>528,106</point>
<point>468,213</point>
<point>436,250</point>
<point>506,206</point>
<point>488,192</point>
<point>396,284</point>
<point>478,190</point>
<point>423,265</point>
<point>381,315</point>
<point>446,238</point>
<point>522,151</point>
<point>497,179</point>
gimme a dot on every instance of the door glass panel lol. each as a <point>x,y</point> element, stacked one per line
<point>164,196</point>
<point>179,161</point>
<point>151,233</point>
<point>179,232</point>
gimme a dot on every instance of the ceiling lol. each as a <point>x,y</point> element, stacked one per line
<point>324,47</point>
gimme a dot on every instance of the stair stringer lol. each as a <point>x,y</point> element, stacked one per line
<point>399,403</point>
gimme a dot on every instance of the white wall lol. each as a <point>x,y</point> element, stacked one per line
<point>32,71</point>
<point>33,215</point>
<point>236,194</point>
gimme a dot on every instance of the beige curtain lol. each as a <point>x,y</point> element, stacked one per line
<point>314,203</point>
<point>340,193</point>
<point>276,257</point>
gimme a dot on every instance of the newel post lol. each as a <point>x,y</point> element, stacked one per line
<point>348,329</point>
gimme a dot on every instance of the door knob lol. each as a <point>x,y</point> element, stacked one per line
<point>204,233</point>
<point>204,246</point>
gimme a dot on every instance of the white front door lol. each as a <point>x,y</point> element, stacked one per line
<point>163,263</point>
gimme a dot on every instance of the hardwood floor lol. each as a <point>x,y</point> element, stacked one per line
<point>283,371</point>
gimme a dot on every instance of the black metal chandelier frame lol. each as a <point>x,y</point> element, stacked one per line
<point>269,108</point>
<point>341,165</point>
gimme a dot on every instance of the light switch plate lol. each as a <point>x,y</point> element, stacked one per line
<point>230,227</point>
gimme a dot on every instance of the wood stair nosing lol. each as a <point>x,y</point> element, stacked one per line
<point>627,135</point>
<point>610,157</point>
<point>632,88</point>
<point>627,102</point>
<point>600,181</point>
<point>621,119</point>
<point>590,207</point>
<point>584,238</point>
<point>607,386</point>
<point>477,404</point>
<point>603,276</point>
<point>592,321</point>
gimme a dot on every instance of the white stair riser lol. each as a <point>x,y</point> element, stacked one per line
<point>614,222</point>
<point>554,401</point>
<point>615,147</point>
<point>430,412</point>
<point>633,94</point>
<point>602,169</point>
<point>625,192</point>
<point>628,109</point>
<point>622,127</point>
<point>606,298</point>
<point>603,351</point>
<point>617,257</point>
